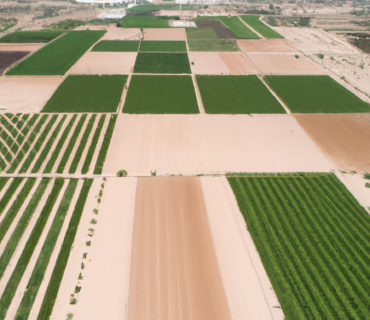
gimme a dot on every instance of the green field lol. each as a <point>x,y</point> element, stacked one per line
<point>42,36</point>
<point>234,24</point>
<point>145,22</point>
<point>200,33</point>
<point>59,56</point>
<point>236,95</point>
<point>163,46</point>
<point>260,27</point>
<point>212,45</point>
<point>153,62</point>
<point>117,46</point>
<point>155,7</point>
<point>315,94</point>
<point>163,94</point>
<point>87,93</point>
<point>313,239</point>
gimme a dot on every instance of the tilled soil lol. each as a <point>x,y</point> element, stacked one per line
<point>7,58</point>
<point>362,44</point>
<point>221,31</point>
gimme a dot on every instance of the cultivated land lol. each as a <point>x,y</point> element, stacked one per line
<point>219,29</point>
<point>237,62</point>
<point>266,45</point>
<point>165,94</point>
<point>117,46</point>
<point>175,34</point>
<point>212,45</point>
<point>145,22</point>
<point>29,47</point>
<point>114,33</point>
<point>92,93</point>
<point>43,36</point>
<point>260,27</point>
<point>207,63</point>
<point>236,95</point>
<point>163,46</point>
<point>7,58</point>
<point>315,94</point>
<point>200,33</point>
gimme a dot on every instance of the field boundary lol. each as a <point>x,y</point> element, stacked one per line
<point>247,25</point>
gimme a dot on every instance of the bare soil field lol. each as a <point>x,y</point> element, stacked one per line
<point>105,63</point>
<point>165,34</point>
<point>195,144</point>
<point>221,31</point>
<point>174,272</point>
<point>238,63</point>
<point>265,45</point>
<point>7,58</point>
<point>115,33</point>
<point>343,137</point>
<point>26,94</point>
<point>29,47</point>
<point>207,63</point>
<point>286,64</point>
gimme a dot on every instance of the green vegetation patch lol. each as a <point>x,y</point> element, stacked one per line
<point>236,95</point>
<point>155,7</point>
<point>260,27</point>
<point>145,22</point>
<point>163,46</point>
<point>155,62</point>
<point>41,36</point>
<point>164,94</point>
<point>117,46</point>
<point>57,57</point>
<point>315,94</point>
<point>312,236</point>
<point>87,93</point>
<point>212,45</point>
<point>200,33</point>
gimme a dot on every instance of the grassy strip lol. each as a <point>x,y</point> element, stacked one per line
<point>59,146</point>
<point>48,146</point>
<point>12,285</point>
<point>41,36</point>
<point>260,27</point>
<point>42,262</point>
<point>23,222</point>
<point>14,209</point>
<point>82,145</point>
<point>9,193</point>
<point>57,275</point>
<point>68,151</point>
<point>104,148</point>
<point>93,145</point>
<point>38,145</point>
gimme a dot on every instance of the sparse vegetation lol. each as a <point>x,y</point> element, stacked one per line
<point>121,173</point>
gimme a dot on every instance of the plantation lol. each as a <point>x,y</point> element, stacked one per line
<point>117,46</point>
<point>41,36</point>
<point>315,94</point>
<point>153,62</point>
<point>312,236</point>
<point>163,46</point>
<point>87,93</point>
<point>260,27</point>
<point>236,95</point>
<point>59,56</point>
<point>212,45</point>
<point>165,94</point>
<point>145,22</point>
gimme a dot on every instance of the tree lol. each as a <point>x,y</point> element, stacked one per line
<point>271,6</point>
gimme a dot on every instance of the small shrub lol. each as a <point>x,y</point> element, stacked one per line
<point>84,255</point>
<point>99,200</point>
<point>153,173</point>
<point>88,243</point>
<point>320,55</point>
<point>367,185</point>
<point>95,211</point>
<point>122,173</point>
<point>296,56</point>
<point>77,289</point>
<point>80,277</point>
<point>367,176</point>
<point>102,185</point>
<point>104,179</point>
<point>93,221</point>
<point>73,301</point>
<point>100,193</point>
<point>82,265</point>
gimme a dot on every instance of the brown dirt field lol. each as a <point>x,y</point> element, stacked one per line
<point>174,271</point>
<point>122,34</point>
<point>221,31</point>
<point>21,46</point>
<point>165,34</point>
<point>286,64</point>
<point>7,58</point>
<point>238,63</point>
<point>207,63</point>
<point>265,45</point>
<point>343,137</point>
<point>105,63</point>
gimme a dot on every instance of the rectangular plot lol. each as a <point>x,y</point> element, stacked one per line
<point>163,46</point>
<point>207,63</point>
<point>164,34</point>
<point>7,58</point>
<point>42,36</point>
<point>116,46</point>
<point>145,22</point>
<point>200,33</point>
<point>212,45</point>
<point>260,27</point>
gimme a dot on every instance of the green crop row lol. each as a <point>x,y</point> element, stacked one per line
<point>3,182</point>
<point>42,262</point>
<point>313,239</point>
<point>48,146</point>
<point>104,148</point>
<point>93,145</point>
<point>8,140</point>
<point>9,193</point>
<point>58,148</point>
<point>39,36</point>
<point>2,164</point>
<point>71,144</point>
<point>30,123</point>
<point>13,131</point>
<point>12,285</point>
<point>82,145</point>
<point>60,265</point>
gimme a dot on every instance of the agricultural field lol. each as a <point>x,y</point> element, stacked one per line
<point>58,57</point>
<point>236,95</point>
<point>155,7</point>
<point>87,93</point>
<point>260,27</point>
<point>163,46</point>
<point>304,227</point>
<point>145,22</point>
<point>117,46</point>
<point>7,58</point>
<point>168,94</point>
<point>315,94</point>
<point>218,27</point>
<point>212,45</point>
<point>43,36</point>
<point>200,33</point>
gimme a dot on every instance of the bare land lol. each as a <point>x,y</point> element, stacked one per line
<point>29,47</point>
<point>8,58</point>
<point>207,63</point>
<point>238,63</point>
<point>165,34</point>
<point>265,45</point>
<point>114,33</point>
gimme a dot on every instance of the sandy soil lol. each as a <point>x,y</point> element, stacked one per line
<point>109,269</point>
<point>21,46</point>
<point>207,63</point>
<point>105,63</point>
<point>265,45</point>
<point>286,64</point>
<point>343,137</point>
<point>174,272</point>
<point>194,144</point>
<point>238,63</point>
<point>247,286</point>
<point>114,33</point>
<point>26,94</point>
<point>165,34</point>
<point>310,40</point>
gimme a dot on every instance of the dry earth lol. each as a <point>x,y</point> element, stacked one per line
<point>265,45</point>
<point>21,46</point>
<point>207,63</point>
<point>238,63</point>
<point>165,34</point>
<point>114,33</point>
